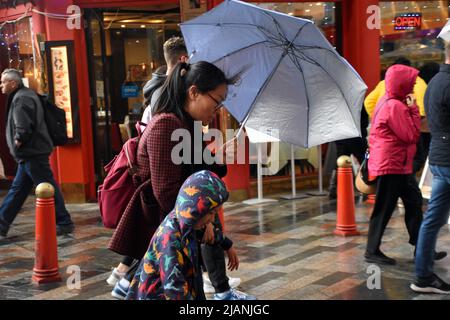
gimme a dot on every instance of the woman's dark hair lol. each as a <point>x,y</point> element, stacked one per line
<point>204,75</point>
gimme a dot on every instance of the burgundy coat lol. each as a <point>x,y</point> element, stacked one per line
<point>395,126</point>
<point>139,222</point>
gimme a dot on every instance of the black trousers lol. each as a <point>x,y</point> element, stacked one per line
<point>214,262</point>
<point>389,188</point>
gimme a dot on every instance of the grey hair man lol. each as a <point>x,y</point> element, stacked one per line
<point>30,144</point>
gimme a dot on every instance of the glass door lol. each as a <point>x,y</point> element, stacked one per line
<point>99,90</point>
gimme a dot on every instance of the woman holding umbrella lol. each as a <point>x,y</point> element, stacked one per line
<point>192,92</point>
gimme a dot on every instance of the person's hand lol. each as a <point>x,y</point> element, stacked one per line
<point>233,260</point>
<point>208,236</point>
<point>229,152</point>
<point>410,100</point>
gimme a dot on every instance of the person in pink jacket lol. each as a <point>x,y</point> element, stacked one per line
<point>393,136</point>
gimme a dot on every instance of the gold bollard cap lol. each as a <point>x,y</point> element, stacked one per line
<point>45,190</point>
<point>344,162</point>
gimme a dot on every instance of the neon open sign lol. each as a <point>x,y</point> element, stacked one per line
<point>408,21</point>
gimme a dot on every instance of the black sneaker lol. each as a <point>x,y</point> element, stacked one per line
<point>64,229</point>
<point>379,257</point>
<point>432,285</point>
<point>440,255</point>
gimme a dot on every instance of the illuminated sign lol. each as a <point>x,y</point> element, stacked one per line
<point>408,21</point>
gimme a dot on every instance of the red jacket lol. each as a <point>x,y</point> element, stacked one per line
<point>395,127</point>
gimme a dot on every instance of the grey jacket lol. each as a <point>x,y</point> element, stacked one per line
<point>26,124</point>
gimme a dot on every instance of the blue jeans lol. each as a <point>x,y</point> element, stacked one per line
<point>435,217</point>
<point>29,173</point>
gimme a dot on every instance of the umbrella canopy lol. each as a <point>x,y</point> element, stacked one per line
<point>293,83</point>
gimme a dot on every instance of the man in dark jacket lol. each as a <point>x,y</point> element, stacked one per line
<point>30,145</point>
<point>437,108</point>
<point>174,51</point>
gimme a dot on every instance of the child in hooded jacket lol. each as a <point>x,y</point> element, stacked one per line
<point>170,269</point>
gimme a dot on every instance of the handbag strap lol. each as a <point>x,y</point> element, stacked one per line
<point>373,121</point>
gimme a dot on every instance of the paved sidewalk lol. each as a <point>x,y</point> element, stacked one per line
<point>287,251</point>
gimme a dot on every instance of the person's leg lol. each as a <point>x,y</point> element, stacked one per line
<point>385,202</point>
<point>412,200</point>
<point>17,194</point>
<point>435,217</point>
<point>419,157</point>
<point>332,188</point>
<point>39,171</point>
<point>214,260</point>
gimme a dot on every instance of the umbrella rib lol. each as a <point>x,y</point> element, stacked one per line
<point>240,49</point>
<point>298,65</point>
<point>337,84</point>
<point>261,89</point>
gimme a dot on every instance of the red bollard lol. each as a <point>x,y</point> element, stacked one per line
<point>46,262</point>
<point>345,225</point>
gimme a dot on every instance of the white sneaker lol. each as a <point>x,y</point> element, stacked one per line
<point>115,277</point>
<point>208,287</point>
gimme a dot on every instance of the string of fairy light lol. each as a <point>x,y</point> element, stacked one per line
<point>11,38</point>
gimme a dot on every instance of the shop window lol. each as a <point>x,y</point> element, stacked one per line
<point>19,49</point>
<point>409,29</point>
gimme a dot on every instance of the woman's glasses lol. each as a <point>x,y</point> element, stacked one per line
<point>219,104</point>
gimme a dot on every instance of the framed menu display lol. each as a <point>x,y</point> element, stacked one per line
<point>62,83</point>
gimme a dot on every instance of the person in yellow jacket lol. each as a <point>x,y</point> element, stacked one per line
<point>419,92</point>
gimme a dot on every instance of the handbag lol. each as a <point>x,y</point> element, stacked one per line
<point>365,183</point>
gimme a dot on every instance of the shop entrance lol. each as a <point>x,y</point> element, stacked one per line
<point>124,49</point>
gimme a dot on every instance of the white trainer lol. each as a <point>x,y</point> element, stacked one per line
<point>208,287</point>
<point>115,277</point>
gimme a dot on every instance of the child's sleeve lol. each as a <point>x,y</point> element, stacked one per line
<point>221,239</point>
<point>173,278</point>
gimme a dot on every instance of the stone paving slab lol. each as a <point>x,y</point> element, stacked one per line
<point>287,251</point>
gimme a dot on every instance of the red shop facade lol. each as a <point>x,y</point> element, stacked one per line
<point>114,44</point>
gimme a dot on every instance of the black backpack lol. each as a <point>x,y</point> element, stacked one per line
<point>55,118</point>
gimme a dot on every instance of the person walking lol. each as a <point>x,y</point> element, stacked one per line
<point>171,267</point>
<point>30,144</point>
<point>174,50</point>
<point>393,136</point>
<point>190,97</point>
<point>437,108</point>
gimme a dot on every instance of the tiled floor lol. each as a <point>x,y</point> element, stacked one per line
<point>287,251</point>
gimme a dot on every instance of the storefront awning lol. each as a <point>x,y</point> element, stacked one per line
<point>13,3</point>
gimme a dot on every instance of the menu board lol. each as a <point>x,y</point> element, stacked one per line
<point>61,84</point>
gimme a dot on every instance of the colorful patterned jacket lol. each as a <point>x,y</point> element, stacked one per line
<point>170,269</point>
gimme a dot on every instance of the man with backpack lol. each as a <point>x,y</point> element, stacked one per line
<point>30,144</point>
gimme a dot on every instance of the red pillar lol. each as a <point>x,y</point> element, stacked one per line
<point>361,45</point>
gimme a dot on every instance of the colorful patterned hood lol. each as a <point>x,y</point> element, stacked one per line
<point>200,193</point>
